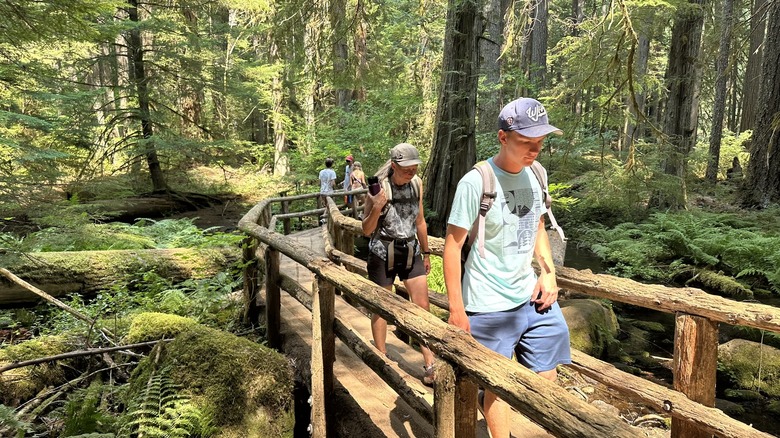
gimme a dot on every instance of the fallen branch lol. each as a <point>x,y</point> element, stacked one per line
<point>72,354</point>
<point>11,276</point>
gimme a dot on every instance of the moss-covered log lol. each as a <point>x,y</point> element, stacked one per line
<point>87,272</point>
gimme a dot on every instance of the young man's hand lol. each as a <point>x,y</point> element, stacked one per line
<point>545,293</point>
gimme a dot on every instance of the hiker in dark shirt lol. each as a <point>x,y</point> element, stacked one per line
<point>399,239</point>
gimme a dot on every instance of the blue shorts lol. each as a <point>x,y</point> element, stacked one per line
<point>542,339</point>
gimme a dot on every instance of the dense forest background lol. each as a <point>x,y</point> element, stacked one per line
<point>666,106</point>
<point>668,169</point>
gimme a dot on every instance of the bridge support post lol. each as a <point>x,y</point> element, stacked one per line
<point>444,401</point>
<point>695,366</point>
<point>285,210</point>
<point>323,355</point>
<point>273,303</point>
<point>454,403</point>
<point>252,281</point>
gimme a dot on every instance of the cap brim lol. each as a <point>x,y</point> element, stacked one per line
<point>539,131</point>
<point>406,163</point>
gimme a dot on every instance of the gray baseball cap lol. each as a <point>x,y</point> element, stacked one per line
<point>405,154</point>
<point>526,116</point>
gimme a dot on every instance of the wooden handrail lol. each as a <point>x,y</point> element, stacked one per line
<point>557,411</point>
<point>562,414</point>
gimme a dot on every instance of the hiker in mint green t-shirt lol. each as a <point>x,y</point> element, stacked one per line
<point>499,299</point>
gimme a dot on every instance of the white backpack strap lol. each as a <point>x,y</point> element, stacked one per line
<point>541,176</point>
<point>485,203</point>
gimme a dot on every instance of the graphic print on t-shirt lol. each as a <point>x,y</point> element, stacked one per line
<point>520,222</point>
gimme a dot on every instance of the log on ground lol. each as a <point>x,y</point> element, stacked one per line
<point>88,272</point>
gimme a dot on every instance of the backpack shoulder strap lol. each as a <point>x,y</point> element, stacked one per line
<point>416,185</point>
<point>485,203</point>
<point>541,175</point>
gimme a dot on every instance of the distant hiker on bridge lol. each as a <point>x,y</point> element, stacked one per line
<point>399,238</point>
<point>499,299</point>
<point>327,182</point>
<point>358,180</point>
<point>347,178</point>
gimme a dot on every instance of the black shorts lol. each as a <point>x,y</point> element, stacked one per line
<point>378,273</point>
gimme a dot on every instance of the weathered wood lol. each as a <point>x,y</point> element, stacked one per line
<point>555,410</point>
<point>663,399</point>
<point>465,406</point>
<point>694,367</point>
<point>89,272</point>
<point>366,352</point>
<point>151,206</point>
<point>80,353</point>
<point>322,357</point>
<point>688,300</point>
<point>272,298</point>
<point>286,221</point>
<point>252,282</point>
<point>444,401</point>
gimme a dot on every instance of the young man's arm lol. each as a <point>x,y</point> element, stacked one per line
<point>453,242</point>
<point>546,289</point>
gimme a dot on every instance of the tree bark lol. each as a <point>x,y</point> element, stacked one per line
<point>454,148</point>
<point>135,50</point>
<point>719,106</point>
<point>683,80</point>
<point>489,93</point>
<point>752,76</point>
<point>340,53</point>
<point>89,272</point>
<point>537,67</point>
<point>762,185</point>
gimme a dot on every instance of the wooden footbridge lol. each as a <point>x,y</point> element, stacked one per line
<point>321,277</point>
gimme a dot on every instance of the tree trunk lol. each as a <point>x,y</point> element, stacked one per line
<point>361,53</point>
<point>753,69</point>
<point>636,103</point>
<point>683,80</point>
<point>454,149</point>
<point>340,60</point>
<point>191,91</point>
<point>281,161</point>
<point>719,105</point>
<point>89,272</point>
<point>537,69</point>
<point>489,93</point>
<point>136,56</point>
<point>762,185</point>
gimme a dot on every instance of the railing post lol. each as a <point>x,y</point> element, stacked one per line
<point>465,405</point>
<point>695,366</point>
<point>323,354</point>
<point>272,298</point>
<point>251,281</point>
<point>285,210</point>
<point>444,401</point>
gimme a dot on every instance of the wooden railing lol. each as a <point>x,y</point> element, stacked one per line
<point>463,364</point>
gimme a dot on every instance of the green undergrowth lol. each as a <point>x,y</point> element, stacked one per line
<point>725,252</point>
<point>228,378</point>
<point>78,233</point>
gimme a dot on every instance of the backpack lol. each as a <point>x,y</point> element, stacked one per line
<point>486,202</point>
<point>404,254</point>
<point>416,183</point>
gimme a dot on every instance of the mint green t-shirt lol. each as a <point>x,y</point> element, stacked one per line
<point>504,279</point>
